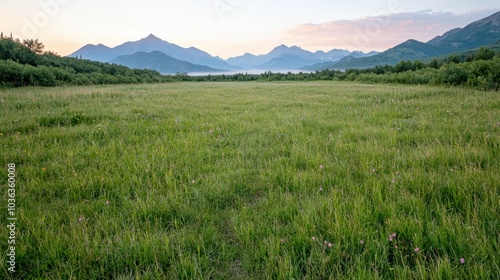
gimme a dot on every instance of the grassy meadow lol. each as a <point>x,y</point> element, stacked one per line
<point>316,180</point>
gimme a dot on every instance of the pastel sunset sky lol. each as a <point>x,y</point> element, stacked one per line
<point>233,27</point>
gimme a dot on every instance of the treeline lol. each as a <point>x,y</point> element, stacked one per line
<point>26,64</point>
<point>480,70</point>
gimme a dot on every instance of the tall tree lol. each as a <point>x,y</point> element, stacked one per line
<point>34,45</point>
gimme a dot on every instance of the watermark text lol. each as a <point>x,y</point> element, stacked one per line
<point>41,18</point>
<point>11,217</point>
<point>363,37</point>
<point>222,7</point>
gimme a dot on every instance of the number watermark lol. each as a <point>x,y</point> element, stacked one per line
<point>11,217</point>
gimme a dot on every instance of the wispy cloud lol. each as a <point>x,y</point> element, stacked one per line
<point>378,32</point>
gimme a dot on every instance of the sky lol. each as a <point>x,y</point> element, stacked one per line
<point>229,28</point>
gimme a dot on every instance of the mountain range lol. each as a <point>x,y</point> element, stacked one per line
<point>477,34</point>
<point>154,53</point>
<point>149,45</point>
<point>144,54</point>
<point>283,57</point>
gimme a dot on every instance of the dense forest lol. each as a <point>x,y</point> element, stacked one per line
<point>25,63</point>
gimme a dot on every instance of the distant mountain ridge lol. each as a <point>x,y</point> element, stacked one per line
<point>439,39</point>
<point>99,53</point>
<point>479,33</point>
<point>150,44</point>
<point>280,58</point>
<point>409,50</point>
<point>160,62</point>
<point>284,57</point>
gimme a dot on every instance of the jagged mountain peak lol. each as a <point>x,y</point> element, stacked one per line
<point>149,44</point>
<point>152,37</point>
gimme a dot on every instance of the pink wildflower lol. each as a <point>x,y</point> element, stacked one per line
<point>392,236</point>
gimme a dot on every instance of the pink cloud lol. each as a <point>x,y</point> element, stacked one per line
<point>405,23</point>
<point>378,32</point>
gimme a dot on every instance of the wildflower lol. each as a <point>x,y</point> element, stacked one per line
<point>107,202</point>
<point>362,242</point>
<point>321,167</point>
<point>330,245</point>
<point>392,236</point>
<point>417,250</point>
<point>321,189</point>
<point>44,169</point>
<point>81,219</point>
<point>393,181</point>
<point>313,238</point>
<point>194,181</point>
<point>374,170</point>
<point>462,261</point>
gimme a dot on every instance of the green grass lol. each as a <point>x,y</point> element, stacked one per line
<point>233,181</point>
